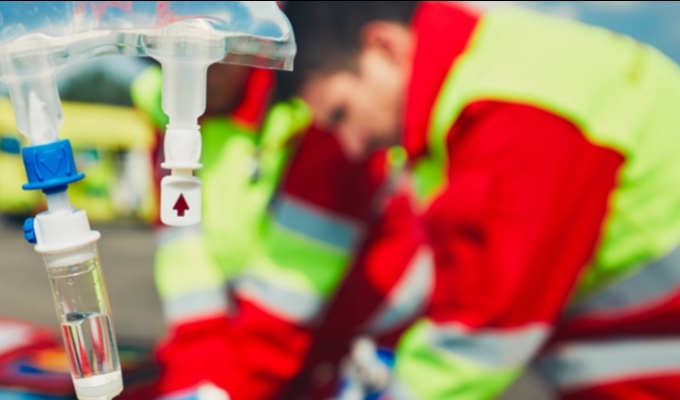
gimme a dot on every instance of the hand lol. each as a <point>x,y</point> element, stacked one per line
<point>364,374</point>
<point>366,367</point>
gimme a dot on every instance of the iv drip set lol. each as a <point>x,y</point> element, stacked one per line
<point>37,39</point>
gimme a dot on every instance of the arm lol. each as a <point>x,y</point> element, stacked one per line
<point>317,223</point>
<point>520,219</point>
<point>387,289</point>
<point>390,283</point>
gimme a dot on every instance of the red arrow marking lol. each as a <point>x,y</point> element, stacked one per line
<point>180,206</point>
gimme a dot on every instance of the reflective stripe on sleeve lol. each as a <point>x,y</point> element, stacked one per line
<point>580,365</point>
<point>494,348</point>
<point>429,367</point>
<point>196,305</point>
<point>286,303</point>
<point>648,287</point>
<point>408,298</point>
<point>316,224</point>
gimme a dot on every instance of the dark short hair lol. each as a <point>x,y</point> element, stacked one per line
<point>327,35</point>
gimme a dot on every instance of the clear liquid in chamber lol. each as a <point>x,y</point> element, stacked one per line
<point>90,344</point>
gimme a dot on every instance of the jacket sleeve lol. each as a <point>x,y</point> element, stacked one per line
<point>385,291</point>
<point>390,284</point>
<point>526,198</point>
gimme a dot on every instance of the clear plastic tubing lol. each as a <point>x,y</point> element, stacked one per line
<point>84,314</point>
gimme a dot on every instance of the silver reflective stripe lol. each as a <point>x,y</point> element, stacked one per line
<point>648,287</point>
<point>493,348</point>
<point>409,296</point>
<point>279,300</point>
<point>196,305</point>
<point>316,224</point>
<point>580,365</point>
<point>170,234</point>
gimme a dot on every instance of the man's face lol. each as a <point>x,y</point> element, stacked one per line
<point>364,107</point>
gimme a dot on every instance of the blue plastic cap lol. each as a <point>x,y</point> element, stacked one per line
<point>387,357</point>
<point>50,167</point>
<point>29,231</point>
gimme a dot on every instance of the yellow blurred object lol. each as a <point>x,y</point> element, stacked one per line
<point>13,200</point>
<point>94,125</point>
<point>112,146</point>
<point>52,360</point>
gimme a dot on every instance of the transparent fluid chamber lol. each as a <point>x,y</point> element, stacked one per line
<point>85,317</point>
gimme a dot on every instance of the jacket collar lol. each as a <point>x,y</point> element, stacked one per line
<point>442,32</point>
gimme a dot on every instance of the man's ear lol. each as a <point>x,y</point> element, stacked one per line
<point>393,40</point>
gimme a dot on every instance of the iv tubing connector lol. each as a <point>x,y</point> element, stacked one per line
<point>182,147</point>
<point>50,167</point>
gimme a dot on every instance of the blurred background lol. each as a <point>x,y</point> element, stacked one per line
<point>115,144</point>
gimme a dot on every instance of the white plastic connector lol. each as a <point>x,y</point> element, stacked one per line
<point>99,387</point>
<point>181,199</point>
<point>184,53</point>
<point>181,191</point>
<point>182,148</point>
<point>59,233</point>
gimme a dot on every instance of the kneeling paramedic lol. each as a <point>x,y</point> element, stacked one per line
<point>546,156</point>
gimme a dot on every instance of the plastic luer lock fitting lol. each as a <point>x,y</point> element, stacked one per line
<point>50,167</point>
